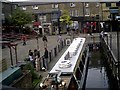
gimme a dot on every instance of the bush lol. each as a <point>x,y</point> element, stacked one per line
<point>30,67</point>
<point>53,33</point>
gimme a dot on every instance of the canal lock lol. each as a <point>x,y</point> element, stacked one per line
<point>99,75</point>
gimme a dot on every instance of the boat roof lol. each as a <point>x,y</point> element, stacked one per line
<point>76,46</point>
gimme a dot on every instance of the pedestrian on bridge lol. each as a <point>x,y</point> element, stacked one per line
<point>45,41</point>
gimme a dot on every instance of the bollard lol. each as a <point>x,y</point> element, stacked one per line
<point>50,59</point>
<point>58,48</point>
<point>42,62</point>
<point>51,54</point>
<point>65,42</point>
<point>62,43</point>
<point>55,53</point>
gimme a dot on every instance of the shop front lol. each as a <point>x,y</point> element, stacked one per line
<point>47,28</point>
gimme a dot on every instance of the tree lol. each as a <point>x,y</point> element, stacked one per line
<point>20,18</point>
<point>65,18</point>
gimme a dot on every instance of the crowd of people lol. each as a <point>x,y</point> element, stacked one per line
<point>34,56</point>
<point>90,27</point>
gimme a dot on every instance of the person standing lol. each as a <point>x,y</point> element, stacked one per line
<point>46,58</point>
<point>37,63</point>
<point>36,56</point>
<point>59,39</point>
<point>45,41</point>
<point>31,57</point>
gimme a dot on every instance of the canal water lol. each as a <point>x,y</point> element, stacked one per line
<point>98,76</point>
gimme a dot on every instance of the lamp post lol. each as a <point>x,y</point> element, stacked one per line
<point>59,28</point>
<point>37,42</point>
<point>56,81</point>
<point>98,6</point>
<point>118,47</point>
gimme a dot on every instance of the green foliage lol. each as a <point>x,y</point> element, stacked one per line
<point>20,18</point>
<point>9,20</point>
<point>30,67</point>
<point>65,18</point>
<point>35,77</point>
<point>35,82</point>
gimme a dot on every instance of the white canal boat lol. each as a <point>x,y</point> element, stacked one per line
<point>70,70</point>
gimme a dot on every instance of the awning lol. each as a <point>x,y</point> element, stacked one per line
<point>36,23</point>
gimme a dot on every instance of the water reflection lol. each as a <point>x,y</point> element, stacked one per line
<point>97,76</point>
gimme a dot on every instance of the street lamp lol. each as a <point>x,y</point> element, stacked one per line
<point>98,6</point>
<point>110,35</point>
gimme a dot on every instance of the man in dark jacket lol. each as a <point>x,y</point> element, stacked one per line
<point>45,41</point>
<point>46,58</point>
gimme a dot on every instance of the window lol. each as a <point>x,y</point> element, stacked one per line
<point>72,13</point>
<point>15,6</point>
<point>97,5</point>
<point>2,6</point>
<point>24,8</point>
<point>54,16</point>
<point>3,16</point>
<point>55,6</point>
<point>35,7</point>
<point>52,5</point>
<point>113,4</point>
<point>76,13</point>
<point>42,18</point>
<point>86,5</point>
<point>108,4</point>
<point>87,12</point>
<point>72,4</point>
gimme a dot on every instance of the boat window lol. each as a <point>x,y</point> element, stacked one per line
<point>81,66</point>
<point>78,74</point>
<point>83,59</point>
<point>85,52</point>
<point>66,74</point>
<point>73,84</point>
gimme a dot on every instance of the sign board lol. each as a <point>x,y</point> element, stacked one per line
<point>114,10</point>
<point>117,18</point>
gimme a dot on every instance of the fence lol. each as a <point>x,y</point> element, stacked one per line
<point>111,60</point>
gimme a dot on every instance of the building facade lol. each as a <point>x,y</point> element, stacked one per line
<point>48,14</point>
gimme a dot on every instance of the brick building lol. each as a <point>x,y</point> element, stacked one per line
<point>48,14</point>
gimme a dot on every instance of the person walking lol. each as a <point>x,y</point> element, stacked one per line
<point>45,41</point>
<point>24,39</point>
<point>46,59</point>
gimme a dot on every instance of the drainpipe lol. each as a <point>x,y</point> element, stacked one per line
<point>118,48</point>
